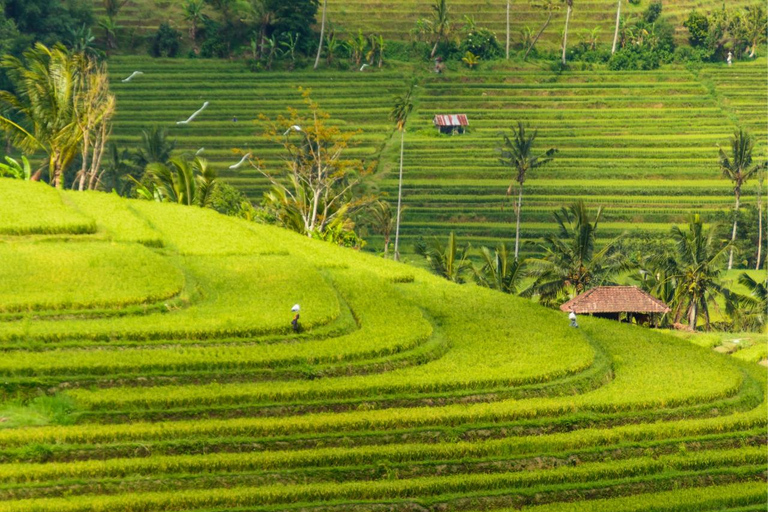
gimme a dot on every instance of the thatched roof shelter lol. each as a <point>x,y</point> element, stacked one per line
<point>615,301</point>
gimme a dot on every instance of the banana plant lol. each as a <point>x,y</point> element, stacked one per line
<point>15,169</point>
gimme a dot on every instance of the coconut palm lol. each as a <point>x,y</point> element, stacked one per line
<point>569,4</point>
<point>500,271</point>
<point>753,26</point>
<point>450,261</point>
<point>402,108</point>
<point>322,35</point>
<point>182,181</point>
<point>194,14</point>
<point>41,114</point>
<point>695,271</point>
<point>572,263</point>
<point>440,24</point>
<point>739,169</point>
<point>382,221</point>
<point>155,147</point>
<point>616,30</point>
<point>517,154</point>
<point>551,6</point>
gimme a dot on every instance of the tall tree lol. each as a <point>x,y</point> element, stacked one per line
<point>739,169</point>
<point>550,7</point>
<point>322,35</point>
<point>46,85</point>
<point>569,4</point>
<point>507,46</point>
<point>517,155</point>
<point>194,14</point>
<point>616,31</point>
<point>402,108</point>
<point>753,26</point>
<point>381,220</point>
<point>572,263</point>
<point>440,23</point>
<point>696,271</point>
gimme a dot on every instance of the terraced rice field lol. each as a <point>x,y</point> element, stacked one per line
<point>642,144</point>
<point>395,19</point>
<point>402,391</point>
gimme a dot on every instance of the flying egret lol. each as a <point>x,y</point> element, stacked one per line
<point>295,128</point>
<point>134,74</point>
<point>241,162</point>
<point>363,67</point>
<point>199,151</point>
<point>194,115</point>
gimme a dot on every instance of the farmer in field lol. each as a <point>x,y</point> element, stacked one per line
<point>572,318</point>
<point>295,321</point>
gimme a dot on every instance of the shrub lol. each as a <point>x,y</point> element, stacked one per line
<point>698,29</point>
<point>166,42</point>
<point>482,43</point>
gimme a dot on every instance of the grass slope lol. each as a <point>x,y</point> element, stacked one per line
<point>402,390</point>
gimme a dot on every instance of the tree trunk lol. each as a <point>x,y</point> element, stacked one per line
<point>565,33</point>
<point>759,225</point>
<point>386,247</point>
<point>737,191</point>
<point>322,35</point>
<point>517,229</point>
<point>616,32</point>
<point>535,39</point>
<point>692,316</point>
<point>399,195</point>
<point>434,49</point>
<point>508,1</point>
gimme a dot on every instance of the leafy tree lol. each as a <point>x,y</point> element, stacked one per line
<point>551,6</point>
<point>166,41</point>
<point>572,263</point>
<point>517,155</point>
<point>182,181</point>
<point>294,17</point>
<point>753,27</point>
<point>320,187</point>
<point>738,169</point>
<point>450,261</point>
<point>49,21</point>
<point>500,270</point>
<point>439,24</point>
<point>401,109</point>
<point>480,42</point>
<point>698,28</point>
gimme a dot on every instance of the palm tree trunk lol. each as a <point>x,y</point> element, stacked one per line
<point>565,33</point>
<point>508,1</point>
<point>535,39</point>
<point>517,228</point>
<point>434,49</point>
<point>737,191</point>
<point>759,225</point>
<point>616,32</point>
<point>692,315</point>
<point>399,195</point>
<point>322,34</point>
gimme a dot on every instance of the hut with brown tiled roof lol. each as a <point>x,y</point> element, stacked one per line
<point>618,303</point>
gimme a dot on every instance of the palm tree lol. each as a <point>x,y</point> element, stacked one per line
<point>696,271</point>
<point>753,24</point>
<point>382,221</point>
<point>754,305</point>
<point>402,108</point>
<point>193,13</point>
<point>739,169</point>
<point>44,105</point>
<point>322,34</point>
<point>507,47</point>
<point>499,271</point>
<point>569,3</point>
<point>155,147</point>
<point>110,28</point>
<point>616,31</point>
<point>551,7</point>
<point>760,178</point>
<point>450,262</point>
<point>517,154</point>
<point>440,23</point>
<point>182,181</point>
<point>572,263</point>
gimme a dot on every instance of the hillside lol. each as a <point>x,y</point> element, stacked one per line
<point>642,144</point>
<point>395,19</point>
<point>163,334</point>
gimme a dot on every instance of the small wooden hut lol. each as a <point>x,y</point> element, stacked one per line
<point>451,123</point>
<point>623,303</point>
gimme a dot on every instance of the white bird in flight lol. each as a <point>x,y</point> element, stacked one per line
<point>199,151</point>
<point>194,115</point>
<point>363,67</point>
<point>241,162</point>
<point>134,74</point>
<point>295,128</point>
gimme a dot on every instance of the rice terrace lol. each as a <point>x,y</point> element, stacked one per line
<point>405,256</point>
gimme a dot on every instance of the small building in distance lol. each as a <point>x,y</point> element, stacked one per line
<point>451,123</point>
<point>623,303</point>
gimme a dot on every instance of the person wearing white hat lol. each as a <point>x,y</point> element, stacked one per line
<point>572,318</point>
<point>295,321</point>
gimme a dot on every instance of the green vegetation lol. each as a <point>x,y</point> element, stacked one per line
<point>400,387</point>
